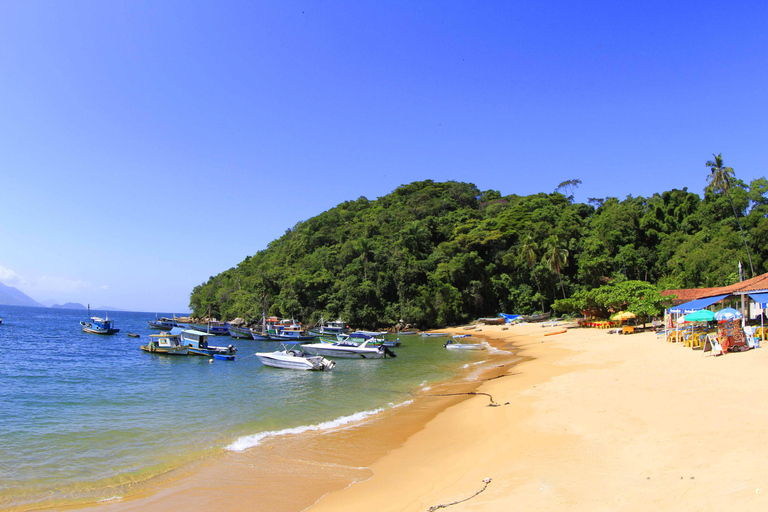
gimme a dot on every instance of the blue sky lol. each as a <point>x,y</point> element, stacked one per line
<point>145,146</point>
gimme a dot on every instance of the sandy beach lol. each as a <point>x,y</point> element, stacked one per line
<point>594,422</point>
<point>586,421</point>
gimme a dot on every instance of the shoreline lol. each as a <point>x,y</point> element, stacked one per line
<point>327,461</point>
<point>596,422</point>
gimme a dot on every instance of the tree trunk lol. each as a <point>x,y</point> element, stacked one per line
<point>742,232</point>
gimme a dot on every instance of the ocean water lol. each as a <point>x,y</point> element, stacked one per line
<point>85,417</point>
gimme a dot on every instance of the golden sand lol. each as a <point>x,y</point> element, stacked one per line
<point>589,421</point>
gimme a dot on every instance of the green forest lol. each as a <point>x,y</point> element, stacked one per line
<point>433,254</point>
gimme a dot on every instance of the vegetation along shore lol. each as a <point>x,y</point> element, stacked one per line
<point>434,254</point>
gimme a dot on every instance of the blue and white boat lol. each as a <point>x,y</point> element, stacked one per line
<point>215,328</point>
<point>291,332</point>
<point>197,342</point>
<point>98,325</point>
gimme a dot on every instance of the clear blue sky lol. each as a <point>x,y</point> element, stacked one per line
<point>145,146</point>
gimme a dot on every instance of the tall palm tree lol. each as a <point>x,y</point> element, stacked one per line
<point>720,180</point>
<point>527,253</point>
<point>556,257</point>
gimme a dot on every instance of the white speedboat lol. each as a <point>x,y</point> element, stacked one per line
<point>463,342</point>
<point>294,359</point>
<point>349,350</point>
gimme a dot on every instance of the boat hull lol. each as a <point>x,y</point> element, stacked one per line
<point>344,352</point>
<point>287,361</point>
<point>465,346</point>
<point>169,351</point>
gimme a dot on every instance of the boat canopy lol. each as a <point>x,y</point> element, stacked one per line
<point>695,305</point>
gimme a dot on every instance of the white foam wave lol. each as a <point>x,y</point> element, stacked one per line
<point>250,441</point>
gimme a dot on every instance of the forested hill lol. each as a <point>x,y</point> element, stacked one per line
<point>436,253</point>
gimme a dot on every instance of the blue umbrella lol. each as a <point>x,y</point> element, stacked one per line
<point>728,314</point>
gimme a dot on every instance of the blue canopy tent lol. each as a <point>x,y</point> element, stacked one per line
<point>691,307</point>
<point>762,300</point>
<point>695,305</point>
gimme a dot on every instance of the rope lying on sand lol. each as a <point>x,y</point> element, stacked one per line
<point>436,507</point>
<point>492,404</point>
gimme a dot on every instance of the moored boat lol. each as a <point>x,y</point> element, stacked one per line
<point>349,350</point>
<point>536,318</point>
<point>294,359</point>
<point>197,342</point>
<point>291,332</point>
<point>335,327</point>
<point>215,328</point>
<point>98,325</point>
<point>163,323</point>
<point>133,335</point>
<point>463,342</point>
<point>239,332</point>
<point>165,343</point>
<point>433,335</point>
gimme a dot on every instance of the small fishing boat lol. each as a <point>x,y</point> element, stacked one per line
<point>224,357</point>
<point>97,325</point>
<point>336,327</point>
<point>163,323</point>
<point>165,343</point>
<point>294,359</point>
<point>349,350</point>
<point>133,335</point>
<point>499,320</point>
<point>463,342</point>
<point>433,334</point>
<point>214,328</point>
<point>536,318</point>
<point>197,342</point>
<point>407,333</point>
<point>239,332</point>
<point>292,332</point>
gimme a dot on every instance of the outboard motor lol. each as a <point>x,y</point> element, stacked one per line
<point>388,352</point>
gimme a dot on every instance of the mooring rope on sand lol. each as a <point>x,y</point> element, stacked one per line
<point>436,507</point>
<point>492,404</point>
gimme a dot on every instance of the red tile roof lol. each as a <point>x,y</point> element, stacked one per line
<point>754,284</point>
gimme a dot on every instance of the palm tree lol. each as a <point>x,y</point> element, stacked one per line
<point>556,257</point>
<point>720,180</point>
<point>527,253</point>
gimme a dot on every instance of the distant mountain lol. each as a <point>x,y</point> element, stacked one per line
<point>69,305</point>
<point>10,296</point>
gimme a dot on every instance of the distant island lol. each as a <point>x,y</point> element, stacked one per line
<point>69,305</point>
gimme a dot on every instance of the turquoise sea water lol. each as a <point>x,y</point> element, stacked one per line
<point>84,416</point>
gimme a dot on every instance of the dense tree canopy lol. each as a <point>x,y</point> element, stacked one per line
<point>436,253</point>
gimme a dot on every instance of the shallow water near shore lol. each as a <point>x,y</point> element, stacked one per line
<point>88,418</point>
